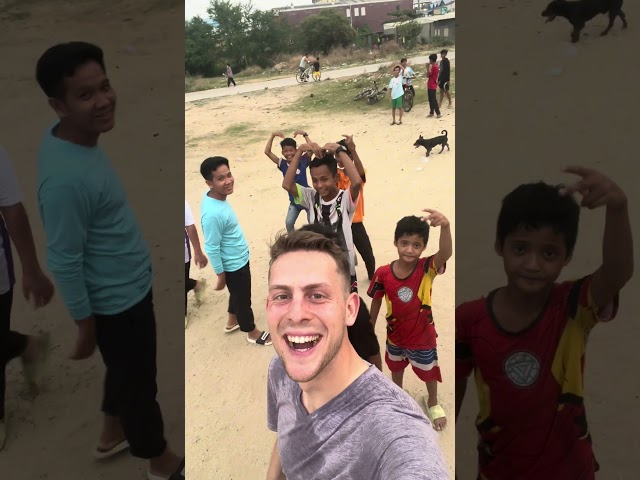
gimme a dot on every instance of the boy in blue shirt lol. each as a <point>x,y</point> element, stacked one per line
<point>97,254</point>
<point>289,147</point>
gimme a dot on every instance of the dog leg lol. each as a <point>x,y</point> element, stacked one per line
<point>623,17</point>
<point>448,149</point>
<point>612,17</point>
<point>442,148</point>
<point>575,34</point>
<point>428,151</point>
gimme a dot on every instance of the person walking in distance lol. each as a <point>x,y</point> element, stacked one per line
<point>229,75</point>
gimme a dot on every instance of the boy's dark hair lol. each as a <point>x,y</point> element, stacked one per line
<point>397,67</point>
<point>61,61</point>
<point>328,160</point>
<point>403,60</point>
<point>288,142</point>
<point>444,51</point>
<point>343,142</point>
<point>412,225</point>
<point>210,165</point>
<point>433,57</point>
<point>538,205</point>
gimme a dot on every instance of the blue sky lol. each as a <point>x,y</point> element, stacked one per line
<point>199,7</point>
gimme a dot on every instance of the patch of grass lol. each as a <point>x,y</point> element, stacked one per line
<point>238,129</point>
<point>338,95</point>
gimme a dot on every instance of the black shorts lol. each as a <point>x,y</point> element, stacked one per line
<point>444,85</point>
<point>362,335</point>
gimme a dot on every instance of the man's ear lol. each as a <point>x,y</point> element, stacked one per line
<point>353,305</point>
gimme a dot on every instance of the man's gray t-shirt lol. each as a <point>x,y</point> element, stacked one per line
<point>373,430</point>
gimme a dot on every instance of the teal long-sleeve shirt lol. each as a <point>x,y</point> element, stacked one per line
<point>95,249</point>
<point>224,241</point>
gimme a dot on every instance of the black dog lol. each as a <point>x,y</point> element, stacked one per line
<point>430,143</point>
<point>580,12</point>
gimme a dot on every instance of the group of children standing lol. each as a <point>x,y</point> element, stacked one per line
<point>334,207</point>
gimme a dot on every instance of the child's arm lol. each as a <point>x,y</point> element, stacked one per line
<point>350,170</point>
<point>445,248</point>
<point>375,310</point>
<point>198,255</point>
<point>269,146</point>
<point>617,245</point>
<point>461,390</point>
<point>289,180</point>
<point>356,158</point>
<point>307,138</point>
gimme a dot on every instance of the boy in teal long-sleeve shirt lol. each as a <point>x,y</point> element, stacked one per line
<point>227,248</point>
<point>97,255</point>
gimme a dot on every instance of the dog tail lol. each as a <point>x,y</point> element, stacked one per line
<point>444,132</point>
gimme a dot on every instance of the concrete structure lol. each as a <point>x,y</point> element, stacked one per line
<point>373,13</point>
<point>433,26</point>
<point>438,7</point>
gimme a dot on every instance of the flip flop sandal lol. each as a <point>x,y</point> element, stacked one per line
<point>232,329</point>
<point>435,413</point>
<point>177,475</point>
<point>104,454</point>
<point>262,340</point>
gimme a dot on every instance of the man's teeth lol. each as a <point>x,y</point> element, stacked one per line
<point>305,339</point>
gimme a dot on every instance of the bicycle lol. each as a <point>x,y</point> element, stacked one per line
<point>368,91</point>
<point>407,99</point>
<point>307,74</point>
<point>376,95</point>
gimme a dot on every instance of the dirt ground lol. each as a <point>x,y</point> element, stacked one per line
<point>534,103</point>
<point>225,376</point>
<point>53,435</point>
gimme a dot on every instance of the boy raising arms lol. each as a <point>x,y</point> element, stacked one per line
<point>406,286</point>
<point>326,203</point>
<point>289,146</point>
<point>526,341</point>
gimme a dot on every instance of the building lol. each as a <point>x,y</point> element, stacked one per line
<point>373,13</point>
<point>439,7</point>
<point>433,26</point>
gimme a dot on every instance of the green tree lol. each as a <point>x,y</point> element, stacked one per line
<point>410,31</point>
<point>200,53</point>
<point>324,31</point>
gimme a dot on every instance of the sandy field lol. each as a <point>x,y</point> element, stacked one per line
<point>532,104</point>
<point>226,377</point>
<point>53,435</point>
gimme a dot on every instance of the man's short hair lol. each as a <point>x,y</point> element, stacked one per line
<point>308,241</point>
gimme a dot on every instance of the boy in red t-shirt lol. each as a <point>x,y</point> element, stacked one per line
<point>433,71</point>
<point>406,286</point>
<point>526,341</point>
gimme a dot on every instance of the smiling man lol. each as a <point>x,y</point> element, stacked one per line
<point>97,255</point>
<point>336,416</point>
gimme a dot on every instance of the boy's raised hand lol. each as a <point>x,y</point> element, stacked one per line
<point>298,132</point>
<point>311,147</point>
<point>595,188</point>
<point>435,218</point>
<point>349,141</point>
<point>278,134</point>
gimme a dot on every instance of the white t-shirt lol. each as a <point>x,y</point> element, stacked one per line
<point>303,62</point>
<point>407,75</point>
<point>188,221</point>
<point>10,195</point>
<point>395,85</point>
<point>348,208</point>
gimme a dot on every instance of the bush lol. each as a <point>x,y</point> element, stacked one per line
<point>439,41</point>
